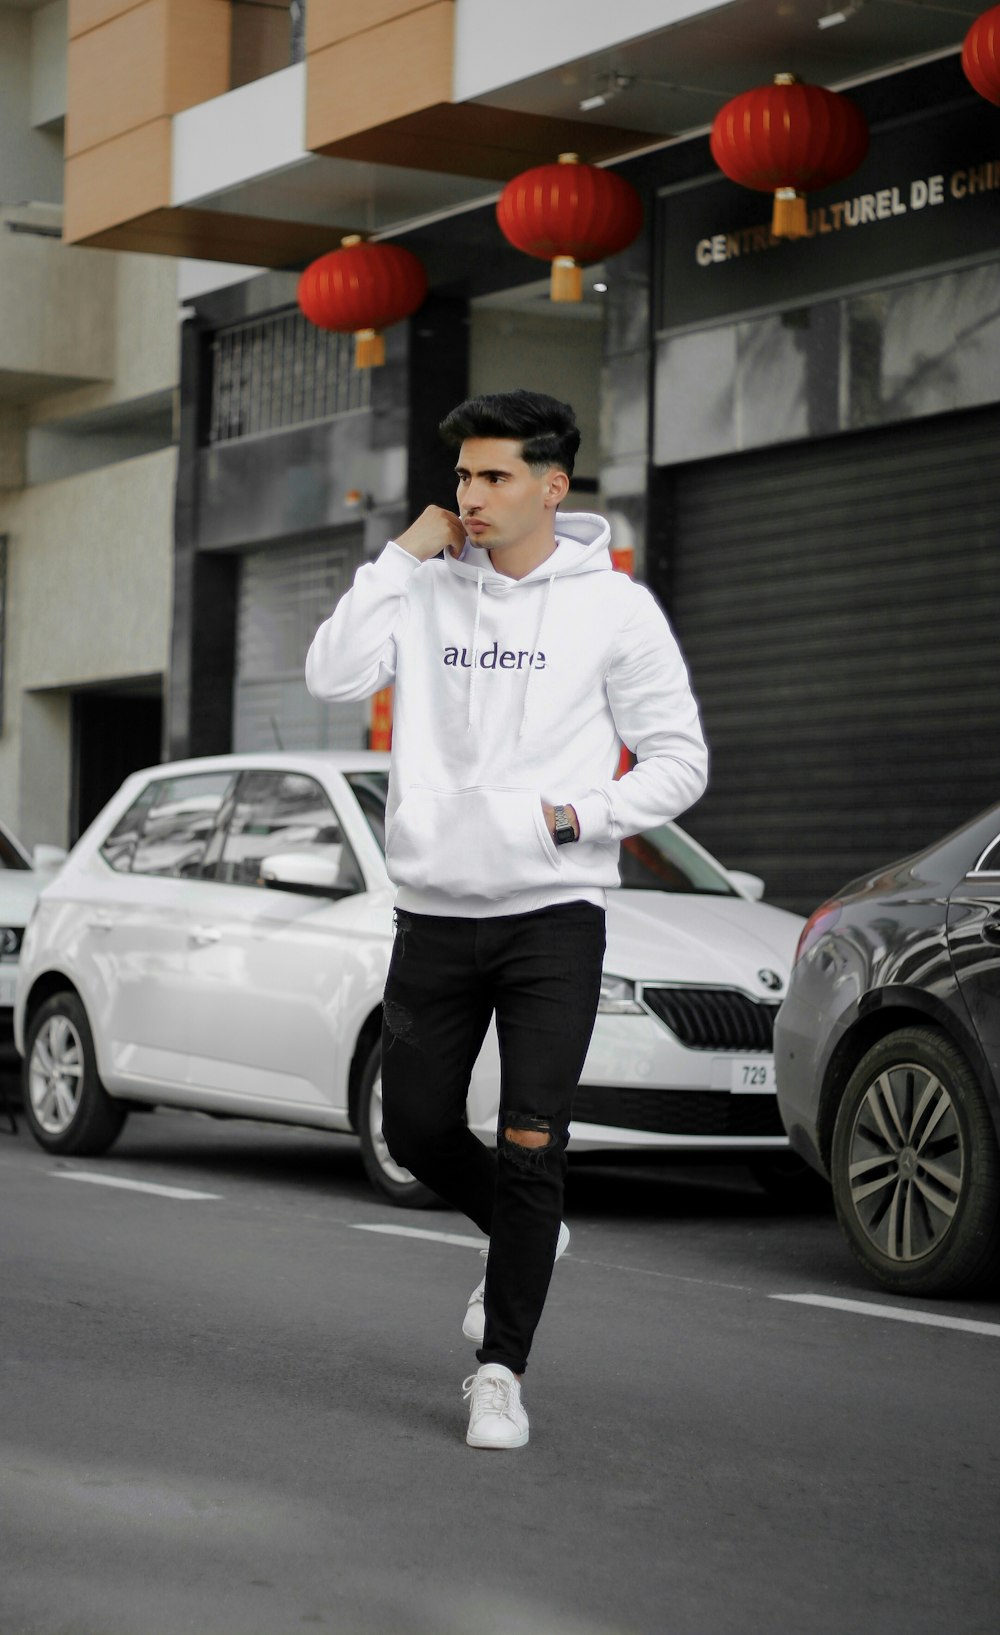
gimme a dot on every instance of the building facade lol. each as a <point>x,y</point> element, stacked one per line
<point>88,383</point>
<point>796,440</point>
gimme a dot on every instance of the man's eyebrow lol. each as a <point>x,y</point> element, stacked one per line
<point>487,471</point>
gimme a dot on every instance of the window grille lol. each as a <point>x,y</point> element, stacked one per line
<point>281,371</point>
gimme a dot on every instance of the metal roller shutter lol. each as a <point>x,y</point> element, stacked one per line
<point>839,605</point>
<point>285,594</point>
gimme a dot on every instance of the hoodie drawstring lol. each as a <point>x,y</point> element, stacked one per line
<point>475,647</point>
<point>537,642</point>
<point>581,547</point>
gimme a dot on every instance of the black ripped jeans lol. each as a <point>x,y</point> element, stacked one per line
<point>541,974</point>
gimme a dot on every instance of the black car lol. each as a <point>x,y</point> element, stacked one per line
<point>887,1062</point>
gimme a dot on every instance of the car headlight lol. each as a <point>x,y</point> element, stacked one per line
<point>618,997</point>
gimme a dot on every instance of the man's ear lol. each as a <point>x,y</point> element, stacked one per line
<point>556,487</point>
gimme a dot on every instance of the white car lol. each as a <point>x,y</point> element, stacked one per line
<point>22,876</point>
<point>219,939</point>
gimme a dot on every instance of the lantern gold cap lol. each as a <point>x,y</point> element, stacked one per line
<point>786,79</point>
<point>349,239</point>
<point>369,349</point>
<point>569,158</point>
<point>566,282</point>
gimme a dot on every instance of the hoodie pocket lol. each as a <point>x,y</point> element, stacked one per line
<point>483,842</point>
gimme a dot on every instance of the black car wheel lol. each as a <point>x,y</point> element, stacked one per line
<point>385,1175</point>
<point>65,1103</point>
<point>916,1169</point>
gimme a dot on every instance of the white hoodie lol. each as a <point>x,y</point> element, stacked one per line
<point>510,692</point>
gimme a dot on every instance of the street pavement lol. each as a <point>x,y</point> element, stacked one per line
<point>239,1412</point>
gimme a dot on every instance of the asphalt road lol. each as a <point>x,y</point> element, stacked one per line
<point>241,1414</point>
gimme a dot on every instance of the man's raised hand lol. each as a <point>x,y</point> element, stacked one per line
<point>435,530</point>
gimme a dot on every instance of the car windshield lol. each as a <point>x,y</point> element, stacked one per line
<point>371,790</point>
<point>662,859</point>
<point>10,857</point>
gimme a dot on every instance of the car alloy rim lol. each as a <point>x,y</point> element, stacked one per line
<point>386,1163</point>
<point>55,1075</point>
<point>906,1162</point>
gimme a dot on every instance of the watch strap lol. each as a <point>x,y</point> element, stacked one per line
<point>564,830</point>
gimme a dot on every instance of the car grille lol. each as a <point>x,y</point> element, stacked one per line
<point>678,1112</point>
<point>714,1018</point>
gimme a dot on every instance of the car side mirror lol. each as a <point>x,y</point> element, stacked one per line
<point>48,857</point>
<point>748,885</point>
<point>304,872</point>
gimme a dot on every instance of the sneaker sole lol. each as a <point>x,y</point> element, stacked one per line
<point>495,1447</point>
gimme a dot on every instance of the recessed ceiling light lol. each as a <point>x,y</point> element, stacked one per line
<point>833,18</point>
<point>614,85</point>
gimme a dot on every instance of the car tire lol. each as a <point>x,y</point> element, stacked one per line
<point>915,1167</point>
<point>388,1178</point>
<point>67,1107</point>
<point>790,1181</point>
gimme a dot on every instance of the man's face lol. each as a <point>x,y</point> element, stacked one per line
<point>501,500</point>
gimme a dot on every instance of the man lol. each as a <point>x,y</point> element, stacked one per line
<point>519,660</point>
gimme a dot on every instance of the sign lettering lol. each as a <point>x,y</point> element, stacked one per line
<point>719,259</point>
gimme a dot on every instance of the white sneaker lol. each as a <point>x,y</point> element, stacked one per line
<point>496,1416</point>
<point>474,1325</point>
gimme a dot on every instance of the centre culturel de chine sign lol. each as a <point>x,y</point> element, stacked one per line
<point>926,197</point>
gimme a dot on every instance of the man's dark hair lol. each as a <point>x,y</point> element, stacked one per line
<point>545,428</point>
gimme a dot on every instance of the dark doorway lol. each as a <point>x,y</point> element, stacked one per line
<point>114,733</point>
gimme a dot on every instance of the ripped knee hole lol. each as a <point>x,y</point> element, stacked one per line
<point>528,1138</point>
<point>399,1022</point>
<point>528,1132</point>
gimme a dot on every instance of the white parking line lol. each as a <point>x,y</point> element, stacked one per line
<point>422,1232</point>
<point>129,1186</point>
<point>928,1319</point>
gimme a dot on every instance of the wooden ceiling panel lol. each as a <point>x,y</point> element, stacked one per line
<point>470,139</point>
<point>214,235</point>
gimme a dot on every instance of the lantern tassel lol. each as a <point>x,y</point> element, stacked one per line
<point>789,219</point>
<point>369,349</point>
<point>567,279</point>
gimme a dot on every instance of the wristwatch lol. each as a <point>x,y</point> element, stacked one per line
<point>564,831</point>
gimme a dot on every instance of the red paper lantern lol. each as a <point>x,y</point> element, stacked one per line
<point>789,139</point>
<point>981,55</point>
<point>360,289</point>
<point>568,213</point>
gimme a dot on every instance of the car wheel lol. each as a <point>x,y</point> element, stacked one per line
<point>65,1103</point>
<point>385,1175</point>
<point>916,1169</point>
<point>790,1181</point>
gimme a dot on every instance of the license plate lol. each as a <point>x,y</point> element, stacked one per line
<point>752,1076</point>
<point>8,982</point>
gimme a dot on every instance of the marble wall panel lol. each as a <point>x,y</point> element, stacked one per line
<point>940,344</point>
<point>695,396</point>
<point>624,406</point>
<point>874,359</point>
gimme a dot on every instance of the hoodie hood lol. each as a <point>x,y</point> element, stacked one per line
<point>582,546</point>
